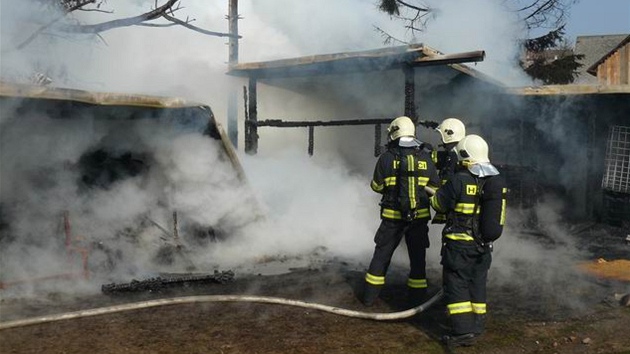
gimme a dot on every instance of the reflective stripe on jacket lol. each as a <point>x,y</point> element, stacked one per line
<point>400,176</point>
<point>457,199</point>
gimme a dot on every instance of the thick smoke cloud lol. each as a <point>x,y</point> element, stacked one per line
<point>312,205</point>
<point>53,166</point>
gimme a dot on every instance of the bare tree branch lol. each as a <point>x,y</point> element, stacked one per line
<point>549,14</point>
<point>96,10</point>
<point>123,22</point>
<point>416,22</point>
<point>165,11</point>
<point>43,28</point>
<point>417,8</point>
<point>388,38</point>
<point>197,29</point>
<point>157,24</point>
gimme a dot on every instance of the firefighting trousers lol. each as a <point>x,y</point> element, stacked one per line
<point>465,272</point>
<point>387,239</point>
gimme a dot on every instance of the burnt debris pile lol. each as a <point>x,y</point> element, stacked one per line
<point>158,284</point>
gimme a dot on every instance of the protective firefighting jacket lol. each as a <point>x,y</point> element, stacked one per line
<point>400,175</point>
<point>475,207</point>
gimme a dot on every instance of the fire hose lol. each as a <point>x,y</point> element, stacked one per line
<point>224,298</point>
<point>228,298</point>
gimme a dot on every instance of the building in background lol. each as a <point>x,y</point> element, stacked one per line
<point>593,48</point>
<point>614,67</point>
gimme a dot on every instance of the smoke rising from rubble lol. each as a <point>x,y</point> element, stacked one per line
<point>314,205</point>
<point>47,169</point>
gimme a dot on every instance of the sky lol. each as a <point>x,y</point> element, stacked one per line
<point>594,17</point>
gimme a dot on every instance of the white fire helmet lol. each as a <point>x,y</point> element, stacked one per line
<point>472,149</point>
<point>452,130</point>
<point>401,126</point>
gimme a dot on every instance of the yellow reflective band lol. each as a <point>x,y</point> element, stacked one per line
<point>395,214</point>
<point>439,217</point>
<point>390,214</point>
<point>412,182</point>
<point>503,211</point>
<point>377,187</point>
<point>417,283</point>
<point>444,181</point>
<point>434,156</point>
<point>459,237</point>
<point>422,181</point>
<point>374,279</point>
<point>422,213</point>
<point>396,163</point>
<point>390,181</point>
<point>435,203</point>
<point>478,308</point>
<point>459,308</point>
<point>466,208</point>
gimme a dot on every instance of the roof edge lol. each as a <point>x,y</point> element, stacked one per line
<point>593,68</point>
<point>569,90</point>
<point>17,90</point>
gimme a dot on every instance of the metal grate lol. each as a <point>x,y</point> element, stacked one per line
<point>617,168</point>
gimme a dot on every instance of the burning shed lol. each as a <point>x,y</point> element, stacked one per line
<point>362,69</point>
<point>549,140</point>
<point>126,178</point>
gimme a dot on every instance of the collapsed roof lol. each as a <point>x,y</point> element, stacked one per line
<point>65,103</point>
<point>413,55</point>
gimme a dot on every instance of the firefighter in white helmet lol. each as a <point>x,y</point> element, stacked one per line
<point>400,175</point>
<point>451,130</point>
<point>474,199</point>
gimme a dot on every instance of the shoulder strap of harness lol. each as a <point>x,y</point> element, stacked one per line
<point>476,233</point>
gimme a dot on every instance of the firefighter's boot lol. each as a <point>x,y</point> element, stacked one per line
<point>480,324</point>
<point>416,296</point>
<point>370,294</point>
<point>459,340</point>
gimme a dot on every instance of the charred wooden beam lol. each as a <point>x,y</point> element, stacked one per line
<point>410,92</point>
<point>277,123</point>
<point>158,283</point>
<point>318,123</point>
<point>251,123</point>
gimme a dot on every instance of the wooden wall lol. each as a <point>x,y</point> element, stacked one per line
<point>615,70</point>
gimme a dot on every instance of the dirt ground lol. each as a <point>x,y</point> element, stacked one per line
<point>518,322</point>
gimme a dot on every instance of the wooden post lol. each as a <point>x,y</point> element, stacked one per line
<point>377,140</point>
<point>232,114</point>
<point>251,137</point>
<point>311,140</point>
<point>410,93</point>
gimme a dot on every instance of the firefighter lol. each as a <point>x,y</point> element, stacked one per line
<point>400,175</point>
<point>451,130</point>
<point>474,200</point>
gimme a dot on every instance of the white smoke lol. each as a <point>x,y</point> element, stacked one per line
<point>309,203</point>
<point>462,25</point>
